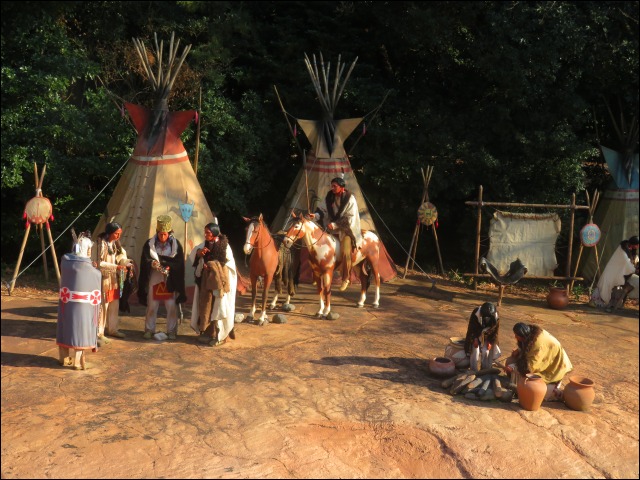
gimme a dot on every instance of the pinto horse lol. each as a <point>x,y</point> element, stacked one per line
<point>263,263</point>
<point>324,257</point>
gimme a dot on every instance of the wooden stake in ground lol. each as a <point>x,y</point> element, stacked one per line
<point>38,211</point>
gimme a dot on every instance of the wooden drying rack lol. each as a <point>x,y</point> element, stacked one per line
<point>479,204</point>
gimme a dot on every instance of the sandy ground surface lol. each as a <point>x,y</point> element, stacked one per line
<point>312,398</point>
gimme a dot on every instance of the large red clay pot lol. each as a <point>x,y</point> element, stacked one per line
<point>579,393</point>
<point>442,366</point>
<point>531,391</point>
<point>557,298</point>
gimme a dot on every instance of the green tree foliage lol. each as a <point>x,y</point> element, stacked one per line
<point>508,95</point>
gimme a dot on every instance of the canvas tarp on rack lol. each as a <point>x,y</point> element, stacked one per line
<point>527,236</point>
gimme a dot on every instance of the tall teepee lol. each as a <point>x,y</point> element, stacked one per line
<point>617,211</point>
<point>327,158</point>
<point>159,179</point>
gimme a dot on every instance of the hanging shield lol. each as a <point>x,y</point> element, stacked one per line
<point>427,213</point>
<point>590,235</point>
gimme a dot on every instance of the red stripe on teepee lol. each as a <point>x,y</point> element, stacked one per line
<point>160,161</point>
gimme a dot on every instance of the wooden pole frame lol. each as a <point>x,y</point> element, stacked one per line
<point>413,247</point>
<point>39,229</point>
<point>592,208</point>
<point>480,203</point>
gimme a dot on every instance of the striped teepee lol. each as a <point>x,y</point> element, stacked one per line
<point>327,158</point>
<point>159,179</point>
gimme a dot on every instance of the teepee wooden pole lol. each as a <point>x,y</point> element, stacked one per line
<point>195,160</point>
<point>15,273</point>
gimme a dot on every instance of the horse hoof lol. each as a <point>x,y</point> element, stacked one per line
<point>360,305</point>
<point>375,305</point>
<point>332,316</point>
<point>288,307</point>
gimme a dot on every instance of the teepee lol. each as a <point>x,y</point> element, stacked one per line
<point>327,158</point>
<point>158,179</point>
<point>617,211</point>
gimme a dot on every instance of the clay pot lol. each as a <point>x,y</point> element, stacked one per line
<point>455,350</point>
<point>442,366</point>
<point>579,393</point>
<point>557,298</point>
<point>531,391</point>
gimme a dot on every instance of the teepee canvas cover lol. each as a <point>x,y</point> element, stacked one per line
<point>326,160</point>
<point>159,179</point>
<point>617,210</point>
<point>616,214</point>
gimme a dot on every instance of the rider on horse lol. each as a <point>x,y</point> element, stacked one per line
<point>339,214</point>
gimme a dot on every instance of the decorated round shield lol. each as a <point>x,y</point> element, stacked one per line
<point>38,210</point>
<point>427,213</point>
<point>590,235</point>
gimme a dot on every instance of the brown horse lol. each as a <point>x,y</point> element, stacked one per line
<point>324,257</point>
<point>263,263</point>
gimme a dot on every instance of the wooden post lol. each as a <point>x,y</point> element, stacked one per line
<point>15,273</point>
<point>500,293</point>
<point>573,214</point>
<point>477,259</point>
<point>53,254</point>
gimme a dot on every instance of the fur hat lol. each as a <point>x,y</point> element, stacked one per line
<point>164,224</point>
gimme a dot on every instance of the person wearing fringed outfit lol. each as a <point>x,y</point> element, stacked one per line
<point>78,305</point>
<point>213,311</point>
<point>162,278</point>
<point>112,260</point>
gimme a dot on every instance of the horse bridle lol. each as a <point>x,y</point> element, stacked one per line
<point>297,237</point>
<point>257,236</point>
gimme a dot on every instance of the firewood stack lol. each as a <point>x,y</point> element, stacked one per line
<point>486,384</point>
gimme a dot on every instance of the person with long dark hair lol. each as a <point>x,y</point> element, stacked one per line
<point>339,214</point>
<point>541,353</point>
<point>113,263</point>
<point>213,310</point>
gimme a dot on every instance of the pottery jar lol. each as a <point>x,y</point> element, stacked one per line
<point>558,298</point>
<point>579,393</point>
<point>442,366</point>
<point>455,350</point>
<point>531,391</point>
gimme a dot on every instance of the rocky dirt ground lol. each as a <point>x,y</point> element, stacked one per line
<point>312,398</point>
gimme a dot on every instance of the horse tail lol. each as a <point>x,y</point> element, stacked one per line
<point>366,269</point>
<point>278,277</point>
